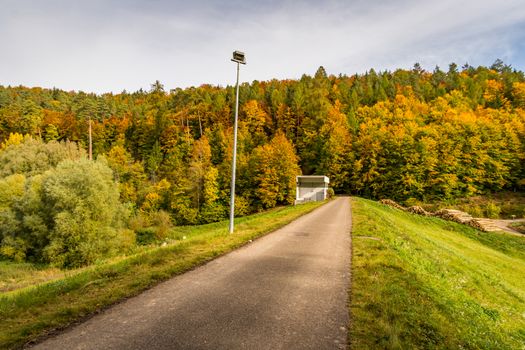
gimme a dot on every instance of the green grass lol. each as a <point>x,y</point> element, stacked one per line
<point>31,312</point>
<point>424,283</point>
<point>15,275</point>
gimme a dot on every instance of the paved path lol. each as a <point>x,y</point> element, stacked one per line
<point>287,290</point>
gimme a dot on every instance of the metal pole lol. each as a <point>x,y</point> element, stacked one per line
<point>90,141</point>
<point>232,196</point>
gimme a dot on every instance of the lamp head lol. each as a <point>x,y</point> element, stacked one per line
<point>239,57</point>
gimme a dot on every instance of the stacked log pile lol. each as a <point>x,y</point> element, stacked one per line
<point>416,209</point>
<point>392,204</point>
<point>446,214</point>
<point>487,225</point>
<point>453,215</point>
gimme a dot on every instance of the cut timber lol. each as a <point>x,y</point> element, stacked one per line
<point>482,224</point>
<point>488,225</point>
<point>454,215</point>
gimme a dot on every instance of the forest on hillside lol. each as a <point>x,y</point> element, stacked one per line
<point>164,157</point>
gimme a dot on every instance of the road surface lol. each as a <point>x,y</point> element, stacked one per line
<point>287,290</point>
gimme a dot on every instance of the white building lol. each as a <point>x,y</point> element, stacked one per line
<point>311,188</point>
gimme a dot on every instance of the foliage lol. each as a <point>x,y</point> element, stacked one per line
<point>492,210</point>
<point>401,134</point>
<point>151,226</point>
<point>32,156</point>
<point>273,170</point>
<point>82,202</point>
<point>68,215</point>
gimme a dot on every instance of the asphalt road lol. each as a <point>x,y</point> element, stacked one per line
<point>287,290</point>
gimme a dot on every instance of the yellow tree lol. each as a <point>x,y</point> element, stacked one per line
<point>518,93</point>
<point>204,179</point>
<point>253,122</point>
<point>494,94</point>
<point>335,155</point>
<point>274,168</point>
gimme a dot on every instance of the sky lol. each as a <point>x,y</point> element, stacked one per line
<point>114,45</point>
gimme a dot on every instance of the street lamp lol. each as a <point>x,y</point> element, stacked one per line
<point>239,58</point>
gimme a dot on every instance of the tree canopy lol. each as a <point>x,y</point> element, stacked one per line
<point>401,134</point>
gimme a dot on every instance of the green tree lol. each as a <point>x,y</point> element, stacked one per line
<point>81,200</point>
<point>33,156</point>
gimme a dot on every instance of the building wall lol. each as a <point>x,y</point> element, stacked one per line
<point>311,191</point>
<point>303,191</point>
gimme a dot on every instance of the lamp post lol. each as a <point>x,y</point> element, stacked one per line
<point>239,58</point>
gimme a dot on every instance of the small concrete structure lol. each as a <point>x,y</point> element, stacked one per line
<point>311,188</point>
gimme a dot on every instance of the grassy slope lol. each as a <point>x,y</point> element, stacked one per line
<point>15,275</point>
<point>426,283</point>
<point>31,312</point>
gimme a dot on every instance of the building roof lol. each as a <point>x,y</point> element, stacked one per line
<point>312,178</point>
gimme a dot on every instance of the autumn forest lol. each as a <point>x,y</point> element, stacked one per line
<point>163,158</point>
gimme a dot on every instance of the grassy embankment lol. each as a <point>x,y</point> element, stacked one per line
<point>425,283</point>
<point>30,312</point>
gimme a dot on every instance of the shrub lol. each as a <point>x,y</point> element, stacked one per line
<point>146,235</point>
<point>183,213</point>
<point>475,211</point>
<point>69,216</point>
<point>151,226</point>
<point>242,206</point>
<point>139,221</point>
<point>492,210</point>
<point>33,156</point>
<point>82,200</point>
<point>212,213</point>
<point>14,248</point>
<point>161,220</point>
<point>410,202</point>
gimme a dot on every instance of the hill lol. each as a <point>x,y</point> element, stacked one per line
<point>402,134</point>
<point>420,282</point>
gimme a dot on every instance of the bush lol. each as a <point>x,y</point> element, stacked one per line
<point>151,226</point>
<point>69,216</point>
<point>475,211</point>
<point>139,221</point>
<point>183,213</point>
<point>83,202</point>
<point>161,220</point>
<point>242,206</point>
<point>212,213</point>
<point>33,156</point>
<point>410,202</point>
<point>492,210</point>
<point>146,235</point>
<point>14,248</point>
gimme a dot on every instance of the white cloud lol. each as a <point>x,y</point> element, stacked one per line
<point>106,46</point>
